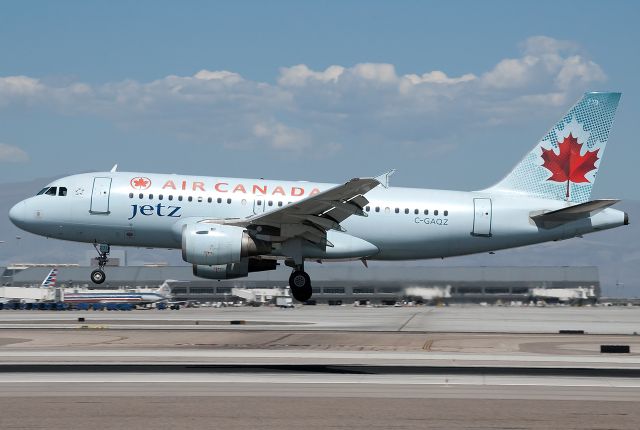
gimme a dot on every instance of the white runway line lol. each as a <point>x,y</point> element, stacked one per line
<point>282,356</point>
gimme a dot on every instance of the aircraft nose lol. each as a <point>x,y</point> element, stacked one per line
<point>17,214</point>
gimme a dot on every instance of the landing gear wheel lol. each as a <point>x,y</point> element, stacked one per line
<point>103,249</point>
<point>300,284</point>
<point>98,276</point>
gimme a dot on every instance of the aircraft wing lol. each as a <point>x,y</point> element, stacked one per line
<point>310,218</point>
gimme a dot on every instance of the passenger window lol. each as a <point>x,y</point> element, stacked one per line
<point>199,199</point>
<point>179,198</point>
<point>377,208</point>
<point>426,211</point>
<point>270,202</point>
<point>397,210</point>
<point>259,202</point>
<point>52,191</point>
<point>229,201</point>
<point>219,200</point>
<point>190,198</point>
<point>62,191</point>
<point>170,197</point>
<point>387,210</point>
<point>243,202</point>
<point>160,197</point>
<point>279,203</point>
<point>435,212</point>
<point>406,210</point>
<point>446,213</point>
<point>416,212</point>
<point>150,196</point>
<point>209,200</point>
<point>368,208</point>
<point>140,196</point>
<point>130,195</point>
<point>42,191</point>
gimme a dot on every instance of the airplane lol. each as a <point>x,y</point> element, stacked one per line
<point>74,295</point>
<point>229,227</point>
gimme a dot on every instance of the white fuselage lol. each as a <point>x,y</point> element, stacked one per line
<point>120,208</point>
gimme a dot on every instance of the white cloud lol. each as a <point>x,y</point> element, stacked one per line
<point>20,85</point>
<point>279,136</point>
<point>546,61</point>
<point>12,154</point>
<point>221,75</point>
<point>438,77</point>
<point>336,108</point>
<point>301,74</point>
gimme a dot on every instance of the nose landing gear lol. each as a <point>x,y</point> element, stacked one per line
<point>98,276</point>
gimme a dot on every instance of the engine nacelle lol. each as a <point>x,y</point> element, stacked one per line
<point>233,270</point>
<point>217,244</point>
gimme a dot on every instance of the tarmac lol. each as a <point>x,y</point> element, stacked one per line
<point>321,367</point>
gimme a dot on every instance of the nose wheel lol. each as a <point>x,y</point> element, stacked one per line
<point>300,284</point>
<point>98,276</point>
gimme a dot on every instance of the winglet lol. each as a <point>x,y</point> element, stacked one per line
<point>114,168</point>
<point>384,178</point>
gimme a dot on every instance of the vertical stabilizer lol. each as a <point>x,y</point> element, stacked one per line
<point>51,279</point>
<point>565,163</point>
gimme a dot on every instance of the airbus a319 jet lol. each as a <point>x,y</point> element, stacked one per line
<point>228,228</point>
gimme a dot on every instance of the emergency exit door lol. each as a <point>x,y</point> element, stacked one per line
<point>100,196</point>
<point>481,217</point>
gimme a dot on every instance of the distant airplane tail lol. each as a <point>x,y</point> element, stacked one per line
<point>51,279</point>
<point>165,289</point>
<point>564,164</point>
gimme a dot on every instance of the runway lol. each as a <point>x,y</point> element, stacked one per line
<point>243,398</point>
<point>319,368</point>
<point>453,319</point>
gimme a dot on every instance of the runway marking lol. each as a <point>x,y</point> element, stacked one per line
<point>408,321</point>
<point>295,354</point>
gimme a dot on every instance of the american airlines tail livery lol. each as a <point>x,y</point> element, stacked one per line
<point>228,227</point>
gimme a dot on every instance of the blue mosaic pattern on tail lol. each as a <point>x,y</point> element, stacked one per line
<point>590,121</point>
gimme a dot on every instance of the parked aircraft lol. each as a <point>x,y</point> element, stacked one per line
<point>228,228</point>
<point>85,295</point>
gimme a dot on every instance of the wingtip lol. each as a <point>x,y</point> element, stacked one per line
<point>384,178</point>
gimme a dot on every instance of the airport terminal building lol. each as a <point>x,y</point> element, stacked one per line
<point>346,284</point>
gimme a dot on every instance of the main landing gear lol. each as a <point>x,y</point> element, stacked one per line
<point>300,284</point>
<point>98,276</point>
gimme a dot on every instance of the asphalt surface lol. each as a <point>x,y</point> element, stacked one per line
<point>453,319</point>
<point>320,367</point>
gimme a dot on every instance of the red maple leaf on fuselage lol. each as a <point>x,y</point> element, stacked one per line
<point>140,183</point>
<point>569,165</point>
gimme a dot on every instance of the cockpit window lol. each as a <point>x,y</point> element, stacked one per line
<point>62,191</point>
<point>52,191</point>
<point>42,191</point>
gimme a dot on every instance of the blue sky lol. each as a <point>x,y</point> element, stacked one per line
<point>452,94</point>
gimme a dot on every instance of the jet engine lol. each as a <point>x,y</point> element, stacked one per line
<point>217,244</point>
<point>234,270</point>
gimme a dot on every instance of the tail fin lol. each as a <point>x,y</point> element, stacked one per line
<point>165,289</point>
<point>50,280</point>
<point>564,164</point>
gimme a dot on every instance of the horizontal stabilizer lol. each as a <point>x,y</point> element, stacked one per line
<point>582,210</point>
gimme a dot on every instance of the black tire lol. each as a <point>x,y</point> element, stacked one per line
<point>300,284</point>
<point>98,276</point>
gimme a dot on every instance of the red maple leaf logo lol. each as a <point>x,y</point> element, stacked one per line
<point>569,165</point>
<point>141,183</point>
